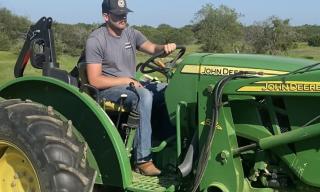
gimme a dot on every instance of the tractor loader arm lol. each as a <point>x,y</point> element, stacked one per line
<point>38,47</point>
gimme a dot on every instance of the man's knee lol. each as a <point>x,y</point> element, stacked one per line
<point>145,95</point>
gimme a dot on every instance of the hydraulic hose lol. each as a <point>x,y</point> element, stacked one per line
<point>205,152</point>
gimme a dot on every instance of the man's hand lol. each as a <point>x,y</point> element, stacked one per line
<point>151,48</point>
<point>169,48</point>
<point>136,83</point>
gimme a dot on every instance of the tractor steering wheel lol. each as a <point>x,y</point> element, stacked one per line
<point>160,66</point>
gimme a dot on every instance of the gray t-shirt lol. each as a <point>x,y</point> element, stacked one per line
<point>116,54</point>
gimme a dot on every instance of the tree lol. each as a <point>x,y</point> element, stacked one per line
<point>151,33</point>
<point>5,42</point>
<point>218,29</point>
<point>314,41</point>
<point>271,36</point>
<point>12,28</point>
<point>182,36</point>
<point>307,31</point>
<point>71,39</point>
<point>166,34</point>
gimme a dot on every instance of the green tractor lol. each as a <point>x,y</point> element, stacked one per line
<point>243,123</point>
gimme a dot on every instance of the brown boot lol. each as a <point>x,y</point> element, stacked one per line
<point>147,169</point>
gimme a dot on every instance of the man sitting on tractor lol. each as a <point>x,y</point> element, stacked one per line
<point>111,64</point>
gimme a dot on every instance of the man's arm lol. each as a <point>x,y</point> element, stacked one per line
<point>151,48</point>
<point>94,68</point>
<point>100,81</point>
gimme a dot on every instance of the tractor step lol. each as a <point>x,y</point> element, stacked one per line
<point>153,184</point>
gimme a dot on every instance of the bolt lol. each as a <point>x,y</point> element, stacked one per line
<point>69,129</point>
<point>13,184</point>
<point>224,156</point>
<point>210,88</point>
<point>16,176</point>
<point>50,111</point>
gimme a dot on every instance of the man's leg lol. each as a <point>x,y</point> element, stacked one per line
<point>114,94</point>
<point>157,89</point>
<point>160,112</point>
<point>142,142</point>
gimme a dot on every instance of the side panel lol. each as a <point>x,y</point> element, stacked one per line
<point>223,169</point>
<point>290,102</point>
<point>105,143</point>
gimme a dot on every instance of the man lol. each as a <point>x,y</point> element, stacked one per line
<point>110,58</point>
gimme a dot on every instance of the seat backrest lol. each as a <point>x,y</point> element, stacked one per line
<point>84,83</point>
<point>82,68</point>
<point>61,75</point>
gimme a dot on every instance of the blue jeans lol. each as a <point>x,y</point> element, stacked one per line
<point>151,94</point>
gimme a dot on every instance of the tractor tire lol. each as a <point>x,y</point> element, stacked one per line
<point>38,151</point>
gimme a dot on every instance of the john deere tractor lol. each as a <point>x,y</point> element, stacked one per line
<point>242,123</point>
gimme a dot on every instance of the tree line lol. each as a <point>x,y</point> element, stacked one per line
<point>216,29</point>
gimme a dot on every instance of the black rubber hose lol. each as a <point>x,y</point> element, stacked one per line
<point>218,92</point>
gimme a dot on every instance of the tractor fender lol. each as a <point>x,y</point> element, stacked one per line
<point>106,150</point>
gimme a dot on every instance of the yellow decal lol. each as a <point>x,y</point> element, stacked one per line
<point>280,86</point>
<point>208,122</point>
<point>225,70</point>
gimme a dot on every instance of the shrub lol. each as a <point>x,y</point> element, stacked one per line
<point>314,41</point>
<point>4,42</point>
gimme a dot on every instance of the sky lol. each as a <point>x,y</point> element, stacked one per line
<point>176,13</point>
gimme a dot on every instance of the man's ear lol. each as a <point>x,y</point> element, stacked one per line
<point>106,17</point>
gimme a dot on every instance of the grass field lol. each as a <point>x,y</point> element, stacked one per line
<point>305,51</point>
<point>8,59</point>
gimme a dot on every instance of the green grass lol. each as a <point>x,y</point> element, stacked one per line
<point>8,59</point>
<point>305,51</point>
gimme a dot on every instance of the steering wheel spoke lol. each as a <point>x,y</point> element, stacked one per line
<point>159,63</point>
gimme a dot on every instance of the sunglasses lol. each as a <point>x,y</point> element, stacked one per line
<point>118,17</point>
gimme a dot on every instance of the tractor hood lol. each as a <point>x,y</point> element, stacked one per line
<point>199,70</point>
<point>227,64</point>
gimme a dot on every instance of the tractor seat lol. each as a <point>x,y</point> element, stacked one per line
<point>94,92</point>
<point>111,106</point>
<point>61,75</point>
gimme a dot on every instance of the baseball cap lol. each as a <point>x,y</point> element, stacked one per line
<point>117,7</point>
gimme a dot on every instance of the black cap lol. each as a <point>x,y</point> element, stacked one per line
<point>117,7</point>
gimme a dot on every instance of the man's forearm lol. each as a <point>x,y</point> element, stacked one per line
<point>104,82</point>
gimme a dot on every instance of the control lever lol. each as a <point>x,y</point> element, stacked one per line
<point>133,123</point>
<point>122,99</point>
<point>131,84</point>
